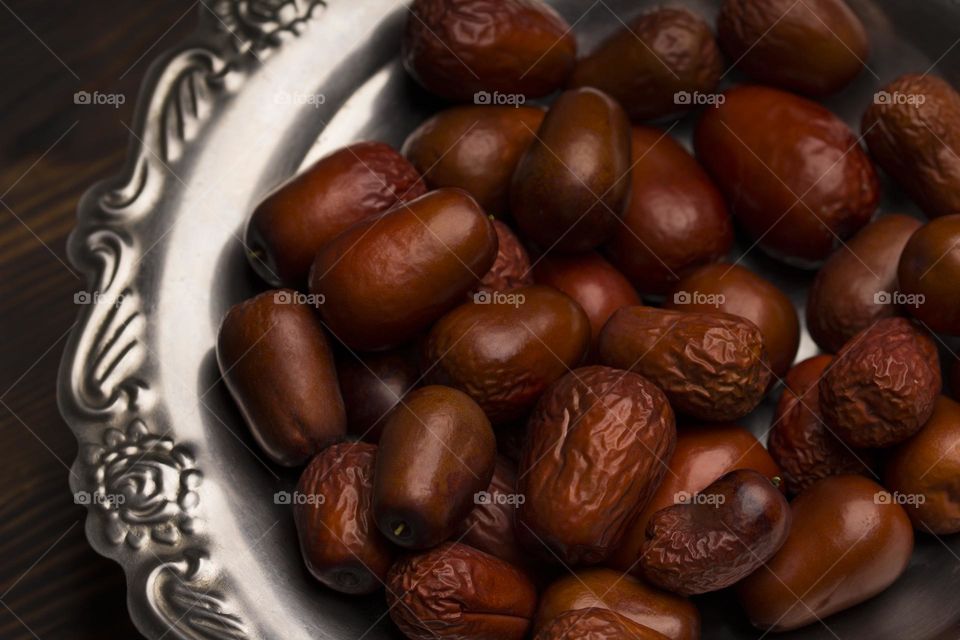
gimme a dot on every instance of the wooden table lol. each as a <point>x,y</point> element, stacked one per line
<point>52,584</point>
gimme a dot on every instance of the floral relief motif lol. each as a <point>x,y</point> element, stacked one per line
<point>145,485</point>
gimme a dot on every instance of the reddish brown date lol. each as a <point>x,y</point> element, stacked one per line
<point>436,452</point>
<point>492,524</point>
<point>596,624</point>
<point>881,388</point>
<point>372,385</point>
<point>571,185</point>
<point>675,219</point>
<point>600,588</point>
<point>711,366</point>
<point>340,542</point>
<point>474,148</point>
<point>703,454</point>
<point>793,173</point>
<point>504,351</point>
<point>929,271</point>
<point>287,229</point>
<point>849,541</point>
<point>857,284</point>
<point>925,470</point>
<point>459,48</point>
<point>648,65</point>
<point>456,591</point>
<point>800,441</point>
<point>597,446</point>
<point>376,296</point>
<point>733,289</point>
<point>274,338</point>
<point>511,269</point>
<point>814,47</point>
<point>591,281</point>
<point>912,132</point>
<point>721,536</point>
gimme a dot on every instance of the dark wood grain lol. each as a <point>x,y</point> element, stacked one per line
<point>52,584</point>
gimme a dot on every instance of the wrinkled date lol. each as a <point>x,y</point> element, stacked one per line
<point>597,447</point>
<point>722,535</point>
<point>511,268</point>
<point>341,544</point>
<point>596,624</point>
<point>882,386</point>
<point>712,366</point>
<point>456,591</point>
<point>799,440</point>
<point>515,48</point>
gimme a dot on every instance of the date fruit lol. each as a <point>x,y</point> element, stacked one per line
<point>371,385</point>
<point>386,279</point>
<point>800,441</point>
<point>721,536</point>
<point>849,541</point>
<point>466,50</point>
<point>492,524</point>
<point>571,185</point>
<point>703,453</point>
<point>793,172</point>
<point>291,224</point>
<point>455,591</point>
<point>815,47</point>
<point>276,362</point>
<point>856,285</point>
<point>600,588</point>
<point>926,471</point>
<point>675,219</point>
<point>505,352</point>
<point>881,388</point>
<point>474,148</point>
<point>596,624</point>
<point>738,291</point>
<point>712,366</point>
<point>511,268</point>
<point>340,542</point>
<point>436,452</point>
<point>654,66</point>
<point>929,273</point>
<point>591,281</point>
<point>596,449</point>
<point>912,129</point>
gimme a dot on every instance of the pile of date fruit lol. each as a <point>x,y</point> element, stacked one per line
<point>501,437</point>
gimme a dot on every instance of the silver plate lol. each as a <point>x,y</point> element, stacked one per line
<point>222,119</point>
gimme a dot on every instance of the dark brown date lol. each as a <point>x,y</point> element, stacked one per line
<point>458,592</point>
<point>511,269</point>
<point>596,624</point>
<point>492,524</point>
<point>726,532</point>
<point>929,271</point>
<point>597,446</point>
<point>712,366</point>
<point>275,338</point>
<point>371,385</point>
<point>436,452</point>
<point>340,542</point>
<point>881,388</point>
